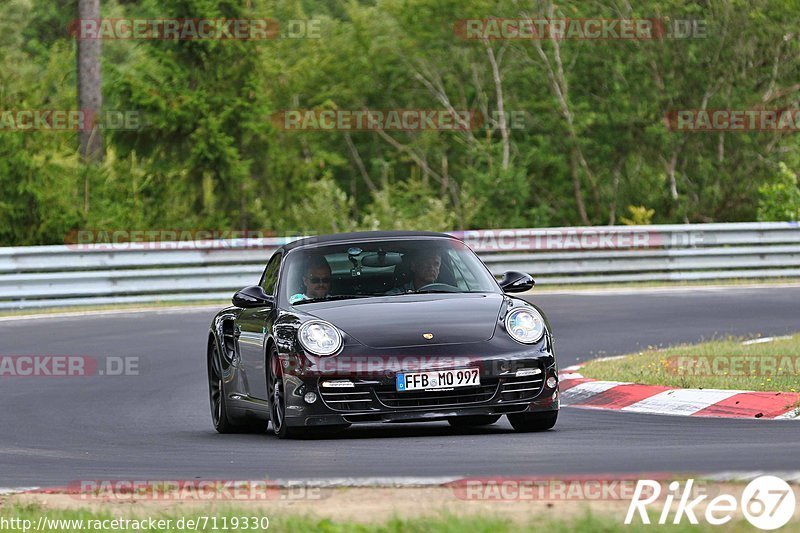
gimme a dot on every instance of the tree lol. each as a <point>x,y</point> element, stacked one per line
<point>90,97</point>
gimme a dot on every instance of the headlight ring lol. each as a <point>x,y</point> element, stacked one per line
<point>319,337</point>
<point>525,325</point>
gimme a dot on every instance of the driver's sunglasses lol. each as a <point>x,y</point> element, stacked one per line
<point>315,280</point>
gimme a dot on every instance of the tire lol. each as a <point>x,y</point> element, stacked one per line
<point>472,420</point>
<point>277,398</point>
<point>220,415</point>
<point>526,422</point>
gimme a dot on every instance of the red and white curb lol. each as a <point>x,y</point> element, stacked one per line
<point>9,491</point>
<point>578,391</point>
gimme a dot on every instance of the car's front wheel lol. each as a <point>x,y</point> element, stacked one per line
<point>276,389</point>
<point>533,421</point>
<point>473,420</point>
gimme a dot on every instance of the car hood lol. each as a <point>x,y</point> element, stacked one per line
<point>401,321</point>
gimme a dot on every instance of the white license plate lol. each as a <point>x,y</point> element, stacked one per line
<point>439,379</point>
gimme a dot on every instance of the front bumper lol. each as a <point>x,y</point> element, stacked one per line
<point>373,397</point>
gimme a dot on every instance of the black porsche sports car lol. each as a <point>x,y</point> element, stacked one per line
<point>380,327</point>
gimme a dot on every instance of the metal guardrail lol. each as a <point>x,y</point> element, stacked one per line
<point>108,273</point>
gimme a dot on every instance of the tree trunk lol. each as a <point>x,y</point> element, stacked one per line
<point>498,84</point>
<point>90,98</point>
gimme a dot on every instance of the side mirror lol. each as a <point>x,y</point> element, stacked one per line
<point>252,297</point>
<point>516,282</point>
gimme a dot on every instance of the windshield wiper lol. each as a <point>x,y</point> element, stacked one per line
<point>435,291</point>
<point>331,298</point>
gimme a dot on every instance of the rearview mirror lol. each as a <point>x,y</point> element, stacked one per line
<point>516,282</point>
<point>252,297</point>
<point>382,259</point>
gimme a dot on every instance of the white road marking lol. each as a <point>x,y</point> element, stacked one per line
<point>584,391</point>
<point>5,491</point>
<point>542,289</point>
<point>400,481</point>
<point>790,476</point>
<point>766,339</point>
<point>81,314</point>
<point>680,401</point>
<point>611,358</point>
<point>794,414</point>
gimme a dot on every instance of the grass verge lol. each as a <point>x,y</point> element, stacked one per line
<point>717,364</point>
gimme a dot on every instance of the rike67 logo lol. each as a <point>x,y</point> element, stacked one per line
<point>767,502</point>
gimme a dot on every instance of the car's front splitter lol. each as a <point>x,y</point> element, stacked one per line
<point>311,415</point>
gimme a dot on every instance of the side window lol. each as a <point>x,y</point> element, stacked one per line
<point>270,278</point>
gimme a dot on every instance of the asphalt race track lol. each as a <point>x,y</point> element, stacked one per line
<point>157,425</point>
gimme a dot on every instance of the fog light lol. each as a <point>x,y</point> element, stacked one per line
<point>551,383</point>
<point>310,397</point>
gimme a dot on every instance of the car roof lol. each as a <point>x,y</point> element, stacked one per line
<point>361,236</point>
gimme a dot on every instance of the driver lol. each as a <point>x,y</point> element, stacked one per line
<point>425,268</point>
<point>316,280</point>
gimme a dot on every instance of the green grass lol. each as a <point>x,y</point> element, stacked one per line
<point>298,524</point>
<point>685,366</point>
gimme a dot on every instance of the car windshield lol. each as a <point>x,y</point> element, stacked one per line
<point>383,268</point>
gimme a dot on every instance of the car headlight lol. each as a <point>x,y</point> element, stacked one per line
<point>525,325</point>
<point>320,337</point>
